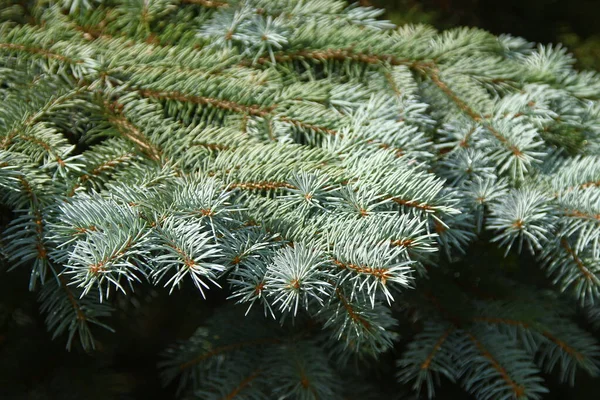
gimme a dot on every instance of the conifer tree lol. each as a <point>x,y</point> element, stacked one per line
<point>342,182</point>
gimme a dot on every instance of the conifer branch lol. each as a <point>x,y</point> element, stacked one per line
<point>226,349</point>
<point>436,347</point>
<point>354,316</point>
<point>581,214</point>
<point>76,307</point>
<point>433,75</point>
<point>413,204</point>
<point>228,105</point>
<point>40,51</point>
<point>106,165</point>
<point>587,274</point>
<point>218,103</point>
<point>560,343</point>
<point>35,117</point>
<point>517,389</point>
<point>207,3</point>
<point>131,132</point>
<point>268,185</point>
<point>589,184</point>
<point>381,274</point>
<point>244,383</point>
<point>38,219</point>
<point>316,162</point>
<point>212,146</point>
<point>338,55</point>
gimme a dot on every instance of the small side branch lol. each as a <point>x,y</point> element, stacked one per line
<point>264,185</point>
<point>438,345</point>
<point>518,390</point>
<point>336,55</point>
<point>588,275</point>
<point>106,165</point>
<point>354,316</point>
<point>227,105</point>
<point>76,307</point>
<point>247,381</point>
<point>560,343</point>
<point>382,274</point>
<point>207,3</point>
<point>39,51</point>
<point>131,132</point>
<point>226,349</point>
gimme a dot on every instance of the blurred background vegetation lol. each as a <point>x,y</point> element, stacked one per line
<point>573,23</point>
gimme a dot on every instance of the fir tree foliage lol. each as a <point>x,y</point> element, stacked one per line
<point>330,172</point>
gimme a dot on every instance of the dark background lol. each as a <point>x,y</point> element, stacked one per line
<point>33,366</point>
<point>575,23</point>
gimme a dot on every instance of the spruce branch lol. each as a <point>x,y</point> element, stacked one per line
<point>339,178</point>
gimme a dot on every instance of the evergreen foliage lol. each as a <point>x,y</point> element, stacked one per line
<point>341,180</point>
